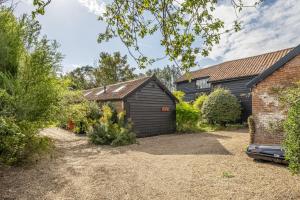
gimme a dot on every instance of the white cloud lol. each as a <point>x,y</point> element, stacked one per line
<point>267,28</point>
<point>93,6</point>
<point>28,1</point>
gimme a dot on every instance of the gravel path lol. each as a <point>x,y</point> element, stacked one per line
<point>189,166</point>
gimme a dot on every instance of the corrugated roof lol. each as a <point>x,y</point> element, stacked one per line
<point>244,67</point>
<point>114,91</point>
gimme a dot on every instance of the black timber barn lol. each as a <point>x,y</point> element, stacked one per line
<point>147,102</point>
<point>232,75</point>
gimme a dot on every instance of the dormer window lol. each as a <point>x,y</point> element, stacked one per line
<point>202,84</point>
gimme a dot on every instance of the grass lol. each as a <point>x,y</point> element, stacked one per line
<point>227,174</point>
<point>204,127</point>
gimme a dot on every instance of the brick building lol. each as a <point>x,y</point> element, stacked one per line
<point>232,75</point>
<point>265,106</point>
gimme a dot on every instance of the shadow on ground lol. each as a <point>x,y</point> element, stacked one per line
<point>172,144</point>
<point>185,144</point>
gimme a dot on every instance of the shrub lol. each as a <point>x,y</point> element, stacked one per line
<point>112,129</point>
<point>251,126</point>
<point>290,99</point>
<point>179,95</point>
<point>187,117</point>
<point>11,141</point>
<point>6,103</point>
<point>83,113</point>
<point>94,112</point>
<point>198,103</point>
<point>19,142</point>
<point>77,113</point>
<point>221,107</point>
<point>292,138</point>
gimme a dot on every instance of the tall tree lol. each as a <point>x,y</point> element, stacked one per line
<point>33,82</point>
<point>11,42</point>
<point>39,5</point>
<point>188,28</point>
<point>112,69</point>
<point>30,90</point>
<point>82,77</point>
<point>166,75</point>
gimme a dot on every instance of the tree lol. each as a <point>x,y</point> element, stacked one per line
<point>183,25</point>
<point>82,77</point>
<point>166,75</point>
<point>11,43</point>
<point>30,93</point>
<point>39,5</point>
<point>113,69</point>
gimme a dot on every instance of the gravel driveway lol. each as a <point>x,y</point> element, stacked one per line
<point>189,166</point>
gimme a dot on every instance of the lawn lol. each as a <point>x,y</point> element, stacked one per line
<point>187,166</point>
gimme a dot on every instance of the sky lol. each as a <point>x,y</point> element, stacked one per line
<point>273,25</point>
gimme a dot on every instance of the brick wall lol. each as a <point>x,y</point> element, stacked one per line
<point>265,106</point>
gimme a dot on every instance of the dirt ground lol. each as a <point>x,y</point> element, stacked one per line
<point>190,166</point>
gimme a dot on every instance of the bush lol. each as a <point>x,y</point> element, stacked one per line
<point>94,112</point>
<point>187,117</point>
<point>112,129</point>
<point>290,99</point>
<point>251,125</point>
<point>19,142</point>
<point>77,113</point>
<point>11,141</point>
<point>83,114</point>
<point>6,103</point>
<point>221,107</point>
<point>179,95</point>
<point>198,103</point>
<point>292,138</point>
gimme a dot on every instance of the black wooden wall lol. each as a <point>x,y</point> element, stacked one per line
<point>190,89</point>
<point>144,108</point>
<point>237,87</point>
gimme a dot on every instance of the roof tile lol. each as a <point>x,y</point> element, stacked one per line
<point>112,92</point>
<point>244,67</point>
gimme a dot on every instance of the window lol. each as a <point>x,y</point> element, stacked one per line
<point>87,93</point>
<point>98,93</point>
<point>119,88</point>
<point>202,84</point>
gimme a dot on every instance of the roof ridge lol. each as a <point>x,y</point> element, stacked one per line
<point>144,77</point>
<point>218,65</point>
<point>270,52</point>
<point>241,59</point>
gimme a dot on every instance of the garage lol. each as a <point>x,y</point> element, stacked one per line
<point>148,104</point>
